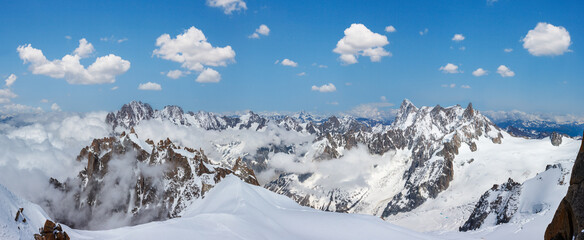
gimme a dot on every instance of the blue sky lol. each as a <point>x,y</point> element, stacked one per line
<point>305,32</point>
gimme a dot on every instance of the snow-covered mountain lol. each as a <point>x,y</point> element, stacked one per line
<point>231,210</point>
<point>136,181</point>
<point>387,169</point>
<point>432,165</point>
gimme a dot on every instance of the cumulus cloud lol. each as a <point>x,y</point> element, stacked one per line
<point>458,37</point>
<point>6,95</point>
<point>209,76</point>
<point>452,85</point>
<point>301,74</point>
<point>228,5</point>
<point>449,68</point>
<point>547,40</point>
<point>479,72</point>
<point>508,50</point>
<point>504,71</point>
<point>360,41</point>
<point>55,107</point>
<point>104,70</point>
<point>288,62</point>
<point>390,29</point>
<point>324,88</point>
<point>424,32</point>
<point>114,88</point>
<point>262,30</point>
<point>377,111</point>
<point>176,74</point>
<point>85,48</point>
<point>192,50</point>
<point>150,86</point>
<point>10,80</point>
<point>44,100</point>
<point>465,86</point>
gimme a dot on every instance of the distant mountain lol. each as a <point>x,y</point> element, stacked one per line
<point>540,129</point>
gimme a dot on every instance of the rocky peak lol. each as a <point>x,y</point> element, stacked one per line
<point>468,112</point>
<point>130,114</point>
<point>154,181</point>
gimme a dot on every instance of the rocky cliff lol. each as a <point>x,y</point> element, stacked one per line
<point>568,221</point>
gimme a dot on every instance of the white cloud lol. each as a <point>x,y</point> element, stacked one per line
<point>301,74</point>
<point>85,49</point>
<point>424,32</point>
<point>10,80</point>
<point>452,85</point>
<point>519,115</point>
<point>277,61</point>
<point>462,48</point>
<point>383,99</point>
<point>228,5</point>
<point>114,88</point>
<point>68,37</point>
<point>192,50</point>
<point>504,71</point>
<point>6,95</point>
<point>103,70</point>
<point>491,1</point>
<point>44,100</point>
<point>479,72</point>
<point>14,108</point>
<point>547,40</point>
<point>122,40</point>
<point>325,88</point>
<point>254,36</point>
<point>508,50</point>
<point>175,74</point>
<point>465,86</point>
<point>263,30</point>
<point>458,37</point>
<point>55,107</point>
<point>333,103</point>
<point>209,76</point>
<point>359,40</point>
<point>373,111</point>
<point>390,29</point>
<point>348,84</point>
<point>322,66</point>
<point>288,62</point>
<point>449,68</point>
<point>150,86</point>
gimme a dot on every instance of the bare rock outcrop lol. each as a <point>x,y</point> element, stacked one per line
<point>568,221</point>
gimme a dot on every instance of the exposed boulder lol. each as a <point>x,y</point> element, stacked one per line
<point>568,221</point>
<point>556,139</point>
<point>51,231</point>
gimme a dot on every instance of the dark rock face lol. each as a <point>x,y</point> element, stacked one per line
<point>556,139</point>
<point>141,181</point>
<point>568,221</point>
<point>51,231</point>
<point>500,200</point>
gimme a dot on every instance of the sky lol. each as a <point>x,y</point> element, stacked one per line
<point>359,57</point>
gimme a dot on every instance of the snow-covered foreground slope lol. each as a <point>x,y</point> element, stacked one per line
<point>33,217</point>
<point>236,210</point>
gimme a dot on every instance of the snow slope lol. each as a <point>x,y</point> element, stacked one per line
<point>9,228</point>
<point>236,210</point>
<point>475,172</point>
